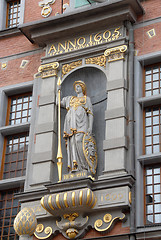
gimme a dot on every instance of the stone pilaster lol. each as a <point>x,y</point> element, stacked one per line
<point>115,144</point>
<point>45,139</point>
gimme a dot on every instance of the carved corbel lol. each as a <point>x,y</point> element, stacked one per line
<point>108,222</point>
<point>49,70</point>
<point>116,53</point>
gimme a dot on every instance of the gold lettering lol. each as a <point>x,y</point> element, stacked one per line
<point>73,45</point>
<point>116,36</point>
<point>81,41</point>
<point>52,48</point>
<point>109,35</point>
<point>114,196</point>
<point>107,197</point>
<point>90,40</point>
<point>120,196</point>
<point>97,37</point>
<point>64,47</point>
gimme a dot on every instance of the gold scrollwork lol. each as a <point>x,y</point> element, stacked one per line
<point>107,219</point>
<point>116,53</point>
<point>48,70</point>
<point>100,60</point>
<point>98,223</point>
<point>48,231</point>
<point>40,228</point>
<point>69,67</point>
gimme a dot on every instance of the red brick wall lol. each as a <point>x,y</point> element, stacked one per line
<point>144,44</point>
<point>13,74</point>
<point>33,11</point>
<point>152,9</point>
<point>14,45</point>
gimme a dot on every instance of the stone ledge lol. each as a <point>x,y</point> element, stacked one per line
<point>49,99</point>
<point>115,143</point>
<point>42,157</point>
<point>116,113</point>
<point>116,84</point>
<point>45,127</point>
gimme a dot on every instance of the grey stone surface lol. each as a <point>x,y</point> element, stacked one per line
<point>116,113</point>
<point>43,156</point>
<point>115,129</point>
<point>114,143</point>
<point>116,84</point>
<point>42,177</point>
<point>45,127</point>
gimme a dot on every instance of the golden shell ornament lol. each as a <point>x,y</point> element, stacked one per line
<point>25,222</point>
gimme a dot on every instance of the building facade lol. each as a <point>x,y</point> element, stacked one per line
<point>111,49</point>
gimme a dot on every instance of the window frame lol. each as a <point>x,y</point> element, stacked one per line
<point>17,17</point>
<point>151,166</point>
<point>11,217</point>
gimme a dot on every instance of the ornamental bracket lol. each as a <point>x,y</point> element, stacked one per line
<point>49,70</point>
<point>116,53</point>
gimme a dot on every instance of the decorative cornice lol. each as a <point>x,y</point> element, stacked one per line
<point>49,70</point>
<point>116,53</point>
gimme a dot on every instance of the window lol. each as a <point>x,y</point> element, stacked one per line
<point>20,109</point>
<point>152,129</point>
<point>9,207</point>
<point>15,156</point>
<point>13,13</point>
<point>14,160</point>
<point>152,177</point>
<point>16,145</point>
<point>152,143</point>
<point>152,80</point>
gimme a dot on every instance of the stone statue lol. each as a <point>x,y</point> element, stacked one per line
<point>78,124</point>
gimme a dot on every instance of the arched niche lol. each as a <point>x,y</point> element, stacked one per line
<point>96,81</point>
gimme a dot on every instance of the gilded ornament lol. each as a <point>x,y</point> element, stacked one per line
<point>99,223</point>
<point>69,67</point>
<point>90,152</point>
<point>78,198</point>
<point>48,70</point>
<point>100,60</point>
<point>48,231</point>
<point>107,218</point>
<point>46,9</point>
<point>65,199</point>
<point>130,198</point>
<point>57,201</point>
<point>3,65</point>
<point>72,233</point>
<point>71,217</point>
<point>50,202</point>
<point>116,53</point>
<point>73,198</point>
<point>151,33</point>
<point>40,228</point>
<point>25,222</point>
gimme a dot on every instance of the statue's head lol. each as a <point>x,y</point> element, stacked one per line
<point>82,84</point>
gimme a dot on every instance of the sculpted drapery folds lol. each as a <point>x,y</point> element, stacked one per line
<point>78,123</point>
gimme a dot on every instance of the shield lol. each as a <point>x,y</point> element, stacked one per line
<point>90,152</point>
